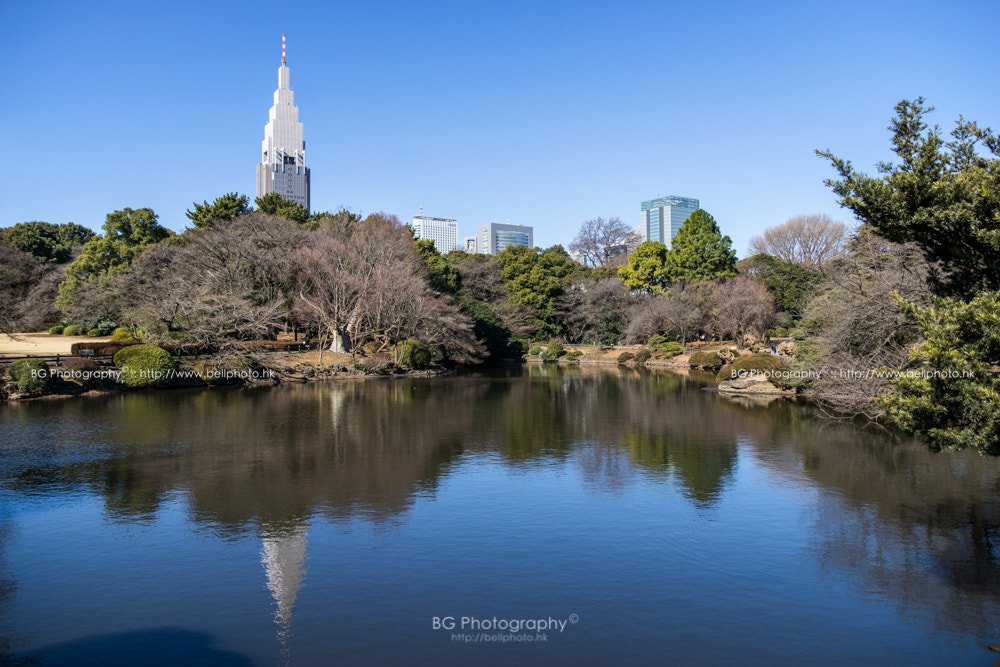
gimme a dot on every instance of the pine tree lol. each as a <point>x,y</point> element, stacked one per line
<point>700,251</point>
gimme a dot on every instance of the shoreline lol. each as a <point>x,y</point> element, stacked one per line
<point>304,367</point>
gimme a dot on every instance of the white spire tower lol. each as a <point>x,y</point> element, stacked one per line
<point>282,167</point>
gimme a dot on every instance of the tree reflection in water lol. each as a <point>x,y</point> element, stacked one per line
<point>918,529</point>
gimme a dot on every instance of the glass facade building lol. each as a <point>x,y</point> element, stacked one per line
<point>663,217</point>
<point>492,238</point>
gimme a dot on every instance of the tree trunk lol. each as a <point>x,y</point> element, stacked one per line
<point>341,342</point>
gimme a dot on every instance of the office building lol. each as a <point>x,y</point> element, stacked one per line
<point>663,217</point>
<point>492,238</point>
<point>282,167</point>
<point>443,231</point>
<point>470,244</point>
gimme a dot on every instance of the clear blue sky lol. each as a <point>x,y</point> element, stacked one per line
<point>544,113</point>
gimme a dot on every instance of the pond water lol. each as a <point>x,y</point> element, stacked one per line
<point>537,515</point>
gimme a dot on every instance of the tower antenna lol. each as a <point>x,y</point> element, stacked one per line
<point>282,48</point>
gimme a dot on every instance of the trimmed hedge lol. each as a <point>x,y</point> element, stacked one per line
<point>31,376</point>
<point>121,335</point>
<point>56,330</point>
<point>625,356</point>
<point>573,355</point>
<point>145,365</point>
<point>535,350</point>
<point>93,333</point>
<point>642,356</point>
<point>670,348</point>
<point>705,360</point>
<point>73,330</point>
<point>660,343</point>
<point>766,365</point>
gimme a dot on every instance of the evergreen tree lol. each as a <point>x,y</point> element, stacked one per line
<point>645,270</point>
<point>700,251</point>
<point>46,241</point>
<point>126,234</point>
<point>274,204</point>
<point>226,207</point>
<point>952,392</point>
<point>943,196</point>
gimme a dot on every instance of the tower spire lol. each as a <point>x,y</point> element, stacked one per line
<point>283,61</point>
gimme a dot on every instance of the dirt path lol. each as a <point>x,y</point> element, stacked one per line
<point>39,344</point>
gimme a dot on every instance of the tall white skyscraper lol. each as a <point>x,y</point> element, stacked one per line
<point>282,167</point>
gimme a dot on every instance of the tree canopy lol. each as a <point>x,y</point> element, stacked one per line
<point>700,251</point>
<point>602,241</point>
<point>811,240</point>
<point>789,284</point>
<point>942,195</point>
<point>951,393</point>
<point>274,204</point>
<point>126,234</point>
<point>535,277</point>
<point>645,270</point>
<point>46,241</point>
<point>226,207</point>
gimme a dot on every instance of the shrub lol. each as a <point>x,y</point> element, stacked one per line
<point>144,365</point>
<point>105,326</point>
<point>625,356</point>
<point>553,352</point>
<point>661,343</point>
<point>535,350</point>
<point>414,353</point>
<point>671,349</point>
<point>767,365</point>
<point>56,330</point>
<point>778,332</point>
<point>121,335</point>
<point>642,356</point>
<point>574,355</point>
<point>705,360</point>
<point>31,376</point>
<point>94,333</point>
<point>73,330</point>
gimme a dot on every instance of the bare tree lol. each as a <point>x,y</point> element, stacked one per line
<point>368,285</point>
<point>595,311</point>
<point>216,287</point>
<point>28,291</point>
<point>742,307</point>
<point>858,326</point>
<point>805,239</point>
<point>602,242</point>
<point>683,311</point>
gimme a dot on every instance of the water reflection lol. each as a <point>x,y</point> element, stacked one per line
<point>284,556</point>
<point>899,522</point>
